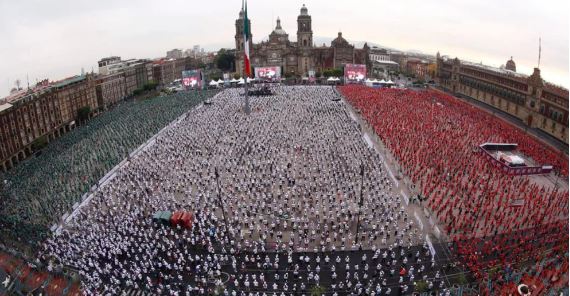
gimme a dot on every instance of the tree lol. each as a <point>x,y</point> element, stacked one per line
<point>83,113</point>
<point>225,60</point>
<point>137,91</point>
<point>151,85</point>
<point>337,72</point>
<point>39,143</point>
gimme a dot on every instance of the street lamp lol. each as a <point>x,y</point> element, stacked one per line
<point>220,199</point>
<point>361,200</point>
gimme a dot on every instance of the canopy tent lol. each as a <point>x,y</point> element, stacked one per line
<point>186,220</point>
<point>249,79</point>
<point>176,218</point>
<point>156,216</point>
<point>165,217</point>
<point>234,80</point>
<point>383,81</point>
<point>510,159</point>
<point>162,217</point>
<point>330,79</point>
<point>389,81</point>
<point>220,81</point>
<point>213,83</point>
<point>241,81</point>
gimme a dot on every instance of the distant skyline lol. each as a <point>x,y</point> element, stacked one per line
<point>55,39</point>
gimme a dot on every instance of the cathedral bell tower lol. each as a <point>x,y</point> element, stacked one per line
<point>239,41</point>
<point>239,32</point>
<point>304,29</point>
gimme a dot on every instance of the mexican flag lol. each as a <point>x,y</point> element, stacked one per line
<point>246,34</point>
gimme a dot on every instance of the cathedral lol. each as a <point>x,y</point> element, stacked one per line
<point>298,57</point>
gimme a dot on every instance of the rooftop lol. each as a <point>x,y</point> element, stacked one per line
<point>68,81</point>
<point>5,106</point>
<point>549,87</point>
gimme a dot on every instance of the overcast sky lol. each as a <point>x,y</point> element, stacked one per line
<point>56,38</point>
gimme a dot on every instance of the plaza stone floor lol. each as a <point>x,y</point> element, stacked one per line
<point>290,174</point>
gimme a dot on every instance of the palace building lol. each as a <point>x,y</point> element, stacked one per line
<point>535,102</point>
<point>300,56</point>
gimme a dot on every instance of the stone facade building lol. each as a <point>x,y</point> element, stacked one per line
<point>48,110</point>
<point>536,103</point>
<point>300,56</point>
<point>110,89</point>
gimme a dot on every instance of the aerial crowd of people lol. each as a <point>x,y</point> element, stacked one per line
<point>292,199</point>
<point>37,192</point>
<point>496,219</point>
<point>276,198</point>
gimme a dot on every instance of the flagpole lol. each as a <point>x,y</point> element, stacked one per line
<point>247,108</point>
<point>246,56</point>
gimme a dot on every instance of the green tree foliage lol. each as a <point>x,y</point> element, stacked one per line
<point>332,72</point>
<point>151,85</point>
<point>225,60</point>
<point>83,113</point>
<point>39,143</point>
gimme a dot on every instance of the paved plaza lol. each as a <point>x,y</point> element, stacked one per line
<point>290,182</point>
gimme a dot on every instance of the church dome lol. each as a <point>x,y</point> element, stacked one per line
<point>278,30</point>
<point>511,65</point>
<point>339,41</point>
<point>304,10</point>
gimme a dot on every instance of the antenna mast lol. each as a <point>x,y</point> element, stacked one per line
<point>539,50</point>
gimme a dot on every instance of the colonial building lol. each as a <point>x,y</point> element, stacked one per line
<point>300,56</point>
<point>537,103</point>
<point>165,71</point>
<point>134,71</point>
<point>47,110</point>
<point>110,89</point>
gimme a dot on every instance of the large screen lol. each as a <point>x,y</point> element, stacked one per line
<point>268,73</point>
<point>192,78</point>
<point>354,72</point>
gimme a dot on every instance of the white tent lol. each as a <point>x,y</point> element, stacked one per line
<point>220,80</point>
<point>234,80</point>
<point>241,81</point>
<point>331,79</point>
<point>389,81</point>
<point>336,79</point>
<point>249,79</point>
<point>213,83</point>
<point>383,81</point>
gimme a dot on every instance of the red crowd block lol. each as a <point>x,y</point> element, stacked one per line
<point>434,137</point>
